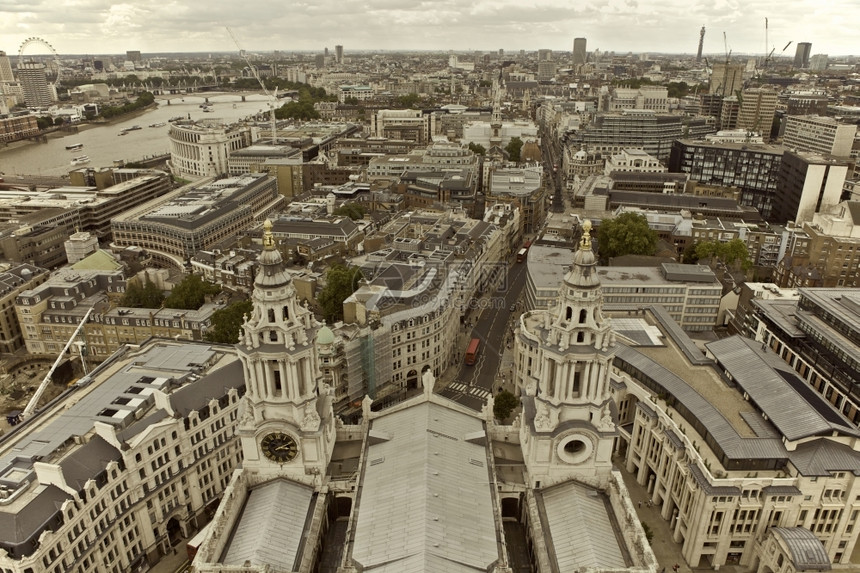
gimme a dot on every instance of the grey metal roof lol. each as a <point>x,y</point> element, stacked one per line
<point>86,462</point>
<point>763,377</point>
<point>688,273</point>
<point>706,486</point>
<point>823,456</point>
<point>780,490</point>
<point>269,531</point>
<point>762,428</point>
<point>676,441</point>
<point>782,314</point>
<point>807,551</point>
<point>113,400</point>
<point>697,203</point>
<point>733,445</point>
<point>426,502</point>
<point>581,529</point>
<point>681,339</point>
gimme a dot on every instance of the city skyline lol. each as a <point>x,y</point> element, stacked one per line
<point>672,26</point>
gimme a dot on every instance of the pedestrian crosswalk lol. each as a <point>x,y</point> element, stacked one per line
<point>481,393</point>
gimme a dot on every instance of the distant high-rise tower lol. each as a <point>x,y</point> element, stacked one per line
<point>818,62</point>
<point>338,54</point>
<point>578,51</point>
<point>726,79</point>
<point>544,55</point>
<point>34,83</point>
<point>801,56</point>
<point>701,44</point>
<point>757,110</point>
<point>6,75</point>
<point>132,55</point>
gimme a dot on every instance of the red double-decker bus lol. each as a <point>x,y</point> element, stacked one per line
<point>472,351</point>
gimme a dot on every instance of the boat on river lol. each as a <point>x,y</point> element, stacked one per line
<point>75,146</point>
<point>82,160</point>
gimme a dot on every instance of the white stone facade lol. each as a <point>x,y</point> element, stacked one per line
<point>202,149</point>
<point>122,496</point>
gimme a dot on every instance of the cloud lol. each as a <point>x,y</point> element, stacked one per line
<point>103,27</point>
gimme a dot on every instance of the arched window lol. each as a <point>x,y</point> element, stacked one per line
<point>582,314</point>
<point>580,336</point>
<point>271,315</point>
<point>286,313</point>
<point>569,313</point>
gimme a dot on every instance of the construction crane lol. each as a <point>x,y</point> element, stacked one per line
<point>769,58</point>
<point>701,44</point>
<point>274,97</point>
<point>34,401</point>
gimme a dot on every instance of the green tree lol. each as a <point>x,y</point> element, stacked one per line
<point>144,100</point>
<point>227,321</point>
<point>146,295</point>
<point>627,234</point>
<point>302,110</point>
<point>190,294</point>
<point>689,256</point>
<point>649,535</point>
<point>352,210</point>
<point>44,122</point>
<point>732,253</point>
<point>408,100</point>
<point>513,148</point>
<point>341,282</point>
<point>504,404</point>
<point>350,100</point>
<point>477,149</point>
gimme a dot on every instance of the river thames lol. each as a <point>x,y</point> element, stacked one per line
<point>103,144</point>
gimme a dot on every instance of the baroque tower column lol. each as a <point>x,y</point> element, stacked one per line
<point>567,425</point>
<point>287,426</point>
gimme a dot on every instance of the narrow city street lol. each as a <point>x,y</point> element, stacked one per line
<point>492,323</point>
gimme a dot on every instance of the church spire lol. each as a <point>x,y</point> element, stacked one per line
<point>578,317</point>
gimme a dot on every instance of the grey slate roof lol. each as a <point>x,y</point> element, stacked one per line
<point>19,527</point>
<point>807,552</point>
<point>214,385</point>
<point>86,462</point>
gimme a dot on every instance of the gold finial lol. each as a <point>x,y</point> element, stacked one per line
<point>268,239</point>
<point>585,242</point>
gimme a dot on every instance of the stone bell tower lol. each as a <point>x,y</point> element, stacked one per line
<point>564,358</point>
<point>287,422</point>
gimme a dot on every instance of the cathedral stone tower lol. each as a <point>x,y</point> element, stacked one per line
<point>287,426</point>
<point>564,358</point>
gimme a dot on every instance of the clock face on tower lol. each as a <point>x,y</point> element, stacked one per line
<point>279,447</point>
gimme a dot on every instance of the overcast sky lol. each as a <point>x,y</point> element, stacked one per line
<point>103,27</point>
